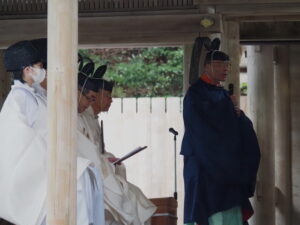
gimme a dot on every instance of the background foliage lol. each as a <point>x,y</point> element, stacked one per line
<point>142,71</point>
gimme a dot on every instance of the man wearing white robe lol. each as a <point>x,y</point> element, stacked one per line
<point>124,202</point>
<point>23,149</point>
<point>84,196</point>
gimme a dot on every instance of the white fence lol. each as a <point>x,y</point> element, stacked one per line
<point>135,122</point>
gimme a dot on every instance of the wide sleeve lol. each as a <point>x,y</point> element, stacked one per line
<point>212,136</point>
<point>26,103</point>
<point>251,152</point>
<point>22,167</point>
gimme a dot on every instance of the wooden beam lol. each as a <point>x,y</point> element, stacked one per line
<point>263,18</point>
<point>151,30</point>
<point>13,31</point>
<point>62,111</point>
<point>274,9</point>
<point>264,31</point>
<point>230,2</point>
<point>108,13</point>
<point>38,7</point>
<point>118,31</point>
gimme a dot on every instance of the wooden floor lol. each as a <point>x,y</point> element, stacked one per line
<point>166,213</point>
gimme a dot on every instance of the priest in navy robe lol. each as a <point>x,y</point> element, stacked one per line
<point>220,149</point>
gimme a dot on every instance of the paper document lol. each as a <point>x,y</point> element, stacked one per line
<point>133,152</point>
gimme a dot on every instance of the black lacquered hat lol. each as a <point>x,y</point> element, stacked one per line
<point>20,55</point>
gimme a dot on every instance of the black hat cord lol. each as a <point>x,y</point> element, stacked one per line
<point>86,75</point>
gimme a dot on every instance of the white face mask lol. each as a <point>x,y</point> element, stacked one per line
<point>39,75</point>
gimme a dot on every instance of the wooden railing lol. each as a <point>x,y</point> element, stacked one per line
<point>27,7</point>
<point>23,6</point>
<point>132,4</point>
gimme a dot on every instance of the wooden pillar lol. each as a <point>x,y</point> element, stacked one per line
<point>282,135</point>
<point>294,68</point>
<point>187,54</point>
<point>230,44</point>
<point>261,110</point>
<point>62,111</point>
<point>295,130</point>
<point>5,80</point>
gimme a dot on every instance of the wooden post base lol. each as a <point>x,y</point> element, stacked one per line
<point>166,213</point>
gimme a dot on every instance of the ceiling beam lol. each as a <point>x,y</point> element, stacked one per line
<point>43,15</point>
<point>270,31</point>
<point>119,30</point>
<point>258,9</point>
<point>249,2</point>
<point>263,18</point>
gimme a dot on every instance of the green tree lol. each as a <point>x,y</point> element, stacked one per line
<point>142,72</point>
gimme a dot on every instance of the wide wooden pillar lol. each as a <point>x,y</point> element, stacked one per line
<point>5,80</point>
<point>62,111</point>
<point>230,44</point>
<point>261,110</point>
<point>295,131</point>
<point>282,135</point>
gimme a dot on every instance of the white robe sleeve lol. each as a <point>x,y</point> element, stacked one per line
<point>22,171</point>
<point>27,104</point>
